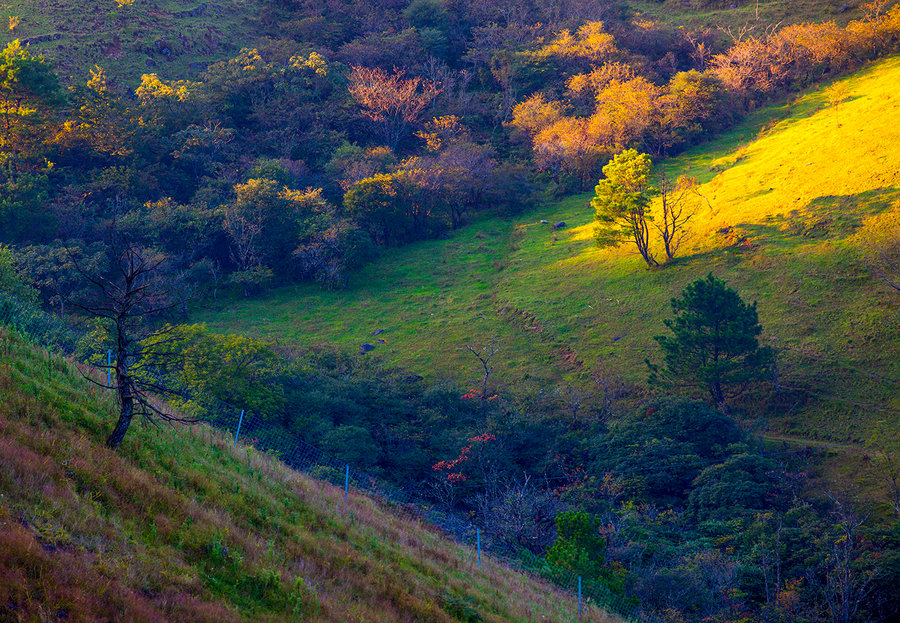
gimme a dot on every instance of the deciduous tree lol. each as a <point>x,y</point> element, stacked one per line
<point>484,353</point>
<point>24,193</point>
<point>265,223</point>
<point>677,199</point>
<point>393,207</point>
<point>12,282</point>
<point>239,370</point>
<point>101,119</point>
<point>127,299</point>
<point>391,100</point>
<point>630,109</point>
<point>580,547</point>
<point>622,201</point>
<point>28,88</point>
<point>52,270</point>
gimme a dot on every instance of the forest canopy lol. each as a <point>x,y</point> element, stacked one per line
<point>298,159</point>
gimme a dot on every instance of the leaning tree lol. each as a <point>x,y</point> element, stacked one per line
<point>129,298</point>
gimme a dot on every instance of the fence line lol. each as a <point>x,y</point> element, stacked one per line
<point>51,333</point>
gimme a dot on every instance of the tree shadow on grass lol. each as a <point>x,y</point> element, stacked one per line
<point>831,217</point>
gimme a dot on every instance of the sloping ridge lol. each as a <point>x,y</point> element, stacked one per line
<point>180,525</point>
<point>174,38</point>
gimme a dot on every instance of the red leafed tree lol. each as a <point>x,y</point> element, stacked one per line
<point>464,456</point>
<point>391,100</point>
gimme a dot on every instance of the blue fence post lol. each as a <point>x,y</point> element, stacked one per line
<point>478,544</point>
<point>579,595</point>
<point>240,421</point>
<point>346,481</point>
<point>109,368</point>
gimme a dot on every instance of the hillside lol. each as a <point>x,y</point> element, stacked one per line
<point>179,526</point>
<point>170,37</point>
<point>364,244</point>
<point>178,38</point>
<point>712,14</point>
<point>791,192</point>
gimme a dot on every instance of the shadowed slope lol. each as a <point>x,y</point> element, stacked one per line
<point>179,526</point>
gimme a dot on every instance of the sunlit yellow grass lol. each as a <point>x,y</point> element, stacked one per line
<point>820,150</point>
<point>842,149</point>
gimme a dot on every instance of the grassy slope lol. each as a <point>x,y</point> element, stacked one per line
<point>179,526</point>
<point>123,40</point>
<point>794,183</point>
<point>746,13</point>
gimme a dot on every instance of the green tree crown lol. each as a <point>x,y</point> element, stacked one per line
<point>621,203</point>
<point>714,343</point>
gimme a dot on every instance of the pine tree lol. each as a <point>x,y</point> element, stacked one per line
<point>715,345</point>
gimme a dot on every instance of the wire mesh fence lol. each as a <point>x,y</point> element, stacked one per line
<point>50,332</point>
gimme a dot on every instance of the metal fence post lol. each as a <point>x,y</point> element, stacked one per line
<point>240,421</point>
<point>579,595</point>
<point>300,453</point>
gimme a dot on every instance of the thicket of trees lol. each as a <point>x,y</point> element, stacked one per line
<point>665,500</point>
<point>362,126</point>
<point>603,93</point>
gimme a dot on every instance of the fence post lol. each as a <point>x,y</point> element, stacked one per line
<point>478,544</point>
<point>579,595</point>
<point>109,368</point>
<point>346,481</point>
<point>240,421</point>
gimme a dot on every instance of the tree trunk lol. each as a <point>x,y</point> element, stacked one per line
<point>641,236</point>
<point>126,412</point>
<point>124,387</point>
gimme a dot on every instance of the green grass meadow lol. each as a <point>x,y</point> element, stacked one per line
<point>788,193</point>
<point>745,13</point>
<point>123,39</point>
